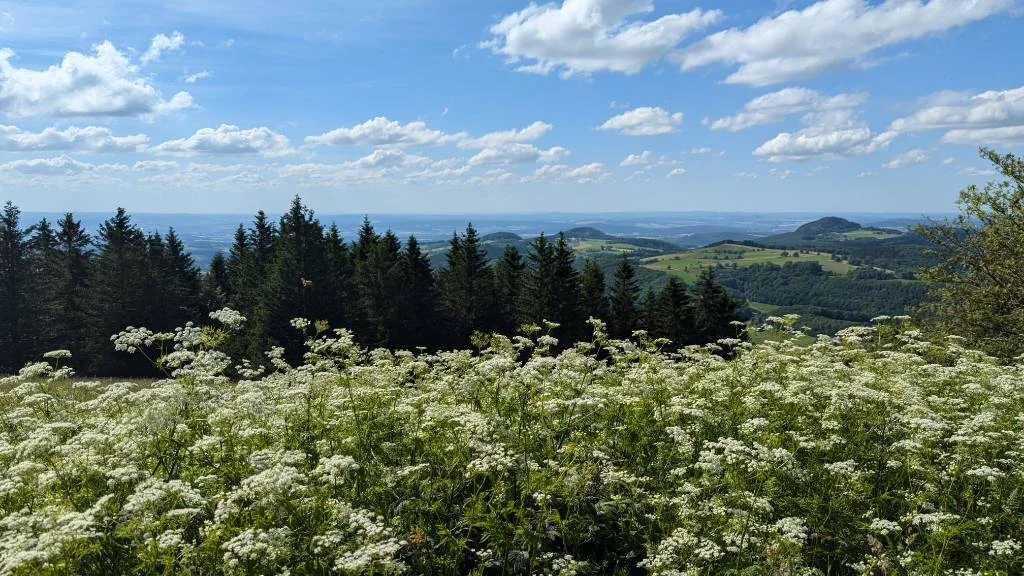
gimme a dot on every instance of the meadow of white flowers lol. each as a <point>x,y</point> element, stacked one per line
<point>876,453</point>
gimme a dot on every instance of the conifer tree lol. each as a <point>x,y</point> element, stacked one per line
<point>647,314</point>
<point>674,314</point>
<point>242,284</point>
<point>566,289</point>
<point>339,291</point>
<point>262,238</point>
<point>467,295</point>
<point>541,278</point>
<point>367,325</point>
<point>378,282</point>
<point>117,294</point>
<point>622,305</point>
<point>182,282</point>
<point>416,310</point>
<point>14,289</point>
<point>593,300</point>
<point>386,286</point>
<point>510,280</point>
<point>296,277</point>
<point>70,282</point>
<point>155,276</point>
<point>257,296</point>
<point>215,285</point>
<point>44,333</point>
<point>713,309</point>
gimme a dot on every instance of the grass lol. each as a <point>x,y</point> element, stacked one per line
<point>867,233</point>
<point>603,246</point>
<point>687,265</point>
<point>763,307</point>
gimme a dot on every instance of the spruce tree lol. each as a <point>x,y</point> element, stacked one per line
<point>593,299</point>
<point>467,294</point>
<point>182,289</point>
<point>416,310</point>
<point>339,289</point>
<point>241,285</point>
<point>510,281</point>
<point>378,281</point>
<point>647,314</point>
<point>262,238</point>
<point>713,309</point>
<point>622,316</point>
<point>385,263</point>
<point>566,290</point>
<point>45,332</point>
<point>368,326</point>
<point>70,280</point>
<point>296,278</point>
<point>155,274</point>
<point>14,289</point>
<point>675,314</point>
<point>117,294</point>
<point>215,284</point>
<point>541,278</point>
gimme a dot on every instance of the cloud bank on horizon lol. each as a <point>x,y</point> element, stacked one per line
<point>458,106</point>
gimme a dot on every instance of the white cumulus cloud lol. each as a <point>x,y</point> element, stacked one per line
<point>517,153</point>
<point>530,133</point>
<point>781,174</point>
<point>637,159</point>
<point>104,83</point>
<point>155,166</point>
<point>229,139</point>
<point>581,174</point>
<point>85,139</point>
<point>193,78</point>
<point>390,158</point>
<point>834,133</point>
<point>908,158</point>
<point>382,131</point>
<point>162,43</point>
<point>676,172</point>
<point>584,36</point>
<point>826,34</point>
<point>58,166</point>
<point>776,106</point>
<point>992,117</point>
<point>644,121</point>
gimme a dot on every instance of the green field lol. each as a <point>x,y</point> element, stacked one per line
<point>604,246</point>
<point>762,307</point>
<point>868,233</point>
<point>687,265</point>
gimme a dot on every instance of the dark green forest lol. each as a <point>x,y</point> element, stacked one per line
<point>825,302</point>
<point>64,288</point>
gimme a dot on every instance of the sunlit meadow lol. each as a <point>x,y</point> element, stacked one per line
<point>876,452</point>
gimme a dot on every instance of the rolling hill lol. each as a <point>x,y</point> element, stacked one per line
<point>902,252</point>
<point>687,265</point>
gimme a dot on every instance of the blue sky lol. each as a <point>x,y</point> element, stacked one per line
<point>467,106</point>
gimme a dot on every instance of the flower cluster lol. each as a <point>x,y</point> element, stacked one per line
<point>877,453</point>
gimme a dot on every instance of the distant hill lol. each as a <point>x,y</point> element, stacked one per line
<point>902,252</point>
<point>830,229</point>
<point>827,225</point>
<point>501,237</point>
<point>588,233</point>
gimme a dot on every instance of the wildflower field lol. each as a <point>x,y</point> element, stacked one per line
<point>876,453</point>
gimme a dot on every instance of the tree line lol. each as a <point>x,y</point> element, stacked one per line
<point>63,288</point>
<point>807,289</point>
